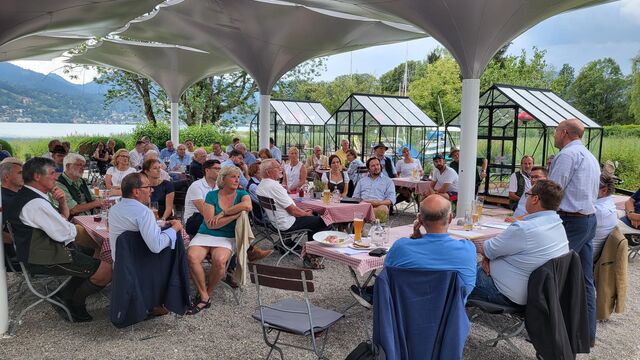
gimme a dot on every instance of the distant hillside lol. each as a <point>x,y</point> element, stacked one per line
<point>28,96</point>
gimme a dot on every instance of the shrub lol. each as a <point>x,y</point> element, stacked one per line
<point>7,146</point>
<point>88,145</point>
<point>202,136</point>
<point>622,131</point>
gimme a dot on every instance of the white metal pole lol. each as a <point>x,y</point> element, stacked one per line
<point>468,144</point>
<point>264,121</point>
<point>4,296</point>
<point>175,126</point>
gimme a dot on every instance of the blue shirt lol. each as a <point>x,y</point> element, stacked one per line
<point>523,247</point>
<point>229,230</point>
<point>578,173</point>
<point>436,252</point>
<point>175,160</point>
<point>243,180</point>
<point>132,215</point>
<point>276,153</point>
<point>249,158</point>
<point>166,153</point>
<point>352,170</point>
<point>522,206</point>
<point>381,188</point>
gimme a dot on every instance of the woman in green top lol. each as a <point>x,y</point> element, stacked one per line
<point>216,235</point>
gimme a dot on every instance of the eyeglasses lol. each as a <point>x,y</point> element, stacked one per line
<point>530,194</point>
<point>124,156</point>
<point>145,187</point>
<point>216,168</point>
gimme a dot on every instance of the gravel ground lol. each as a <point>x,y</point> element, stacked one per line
<point>227,331</point>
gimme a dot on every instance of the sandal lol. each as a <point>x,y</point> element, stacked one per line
<point>314,262</point>
<point>195,308</point>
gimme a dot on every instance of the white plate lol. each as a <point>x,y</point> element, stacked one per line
<point>343,238</point>
<point>361,248</point>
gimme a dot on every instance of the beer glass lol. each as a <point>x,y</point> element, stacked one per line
<point>358,224</point>
<point>326,195</point>
<point>154,207</point>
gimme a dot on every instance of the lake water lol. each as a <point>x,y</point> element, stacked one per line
<point>45,130</point>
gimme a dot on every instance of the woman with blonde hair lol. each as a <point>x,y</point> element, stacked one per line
<point>295,173</point>
<point>216,236</point>
<point>118,171</point>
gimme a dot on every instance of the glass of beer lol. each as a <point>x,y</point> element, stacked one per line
<point>358,224</point>
<point>414,174</point>
<point>468,221</point>
<point>154,207</point>
<point>326,196</point>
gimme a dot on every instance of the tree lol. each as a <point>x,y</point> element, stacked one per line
<point>599,92</point>
<point>124,85</point>
<point>634,93</point>
<point>391,80</point>
<point>518,70</point>
<point>441,84</point>
<point>561,84</point>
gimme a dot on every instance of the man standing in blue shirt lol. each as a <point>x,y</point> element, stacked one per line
<point>524,246</point>
<point>578,173</point>
<point>375,188</point>
<point>275,151</point>
<point>435,250</point>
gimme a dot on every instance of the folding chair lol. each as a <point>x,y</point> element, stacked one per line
<point>505,333</point>
<point>298,317</point>
<point>287,240</point>
<point>262,227</point>
<point>40,281</point>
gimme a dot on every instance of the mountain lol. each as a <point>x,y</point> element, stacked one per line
<point>28,96</point>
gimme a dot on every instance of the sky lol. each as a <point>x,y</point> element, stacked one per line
<point>576,38</point>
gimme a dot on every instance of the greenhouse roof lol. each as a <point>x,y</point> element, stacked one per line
<point>394,110</point>
<point>544,105</point>
<point>300,112</point>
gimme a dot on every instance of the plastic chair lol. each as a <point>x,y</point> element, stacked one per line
<point>292,316</point>
<point>288,240</point>
<point>44,294</point>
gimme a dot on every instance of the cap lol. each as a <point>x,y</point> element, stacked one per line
<point>437,156</point>
<point>381,145</point>
<point>453,149</point>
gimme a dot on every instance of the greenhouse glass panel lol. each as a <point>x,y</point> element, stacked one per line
<point>284,112</point>
<point>404,111</point>
<point>389,111</point>
<point>374,110</point>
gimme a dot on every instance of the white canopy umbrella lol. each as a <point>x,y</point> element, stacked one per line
<point>38,47</point>
<point>266,38</point>
<point>473,31</point>
<point>173,67</point>
<point>87,18</point>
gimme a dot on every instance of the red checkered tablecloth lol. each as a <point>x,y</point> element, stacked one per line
<point>362,263</point>
<point>100,233</point>
<point>337,213</point>
<point>417,186</point>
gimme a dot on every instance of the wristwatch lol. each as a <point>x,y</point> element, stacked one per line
<point>629,211</point>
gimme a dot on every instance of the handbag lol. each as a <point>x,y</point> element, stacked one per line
<point>367,351</point>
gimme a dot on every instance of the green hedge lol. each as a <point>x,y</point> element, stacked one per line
<point>202,136</point>
<point>88,145</point>
<point>622,130</point>
<point>7,146</point>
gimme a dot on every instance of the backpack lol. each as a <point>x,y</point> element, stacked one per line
<point>367,351</point>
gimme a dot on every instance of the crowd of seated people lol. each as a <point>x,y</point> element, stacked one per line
<point>224,185</point>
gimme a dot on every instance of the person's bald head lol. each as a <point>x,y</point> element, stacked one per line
<point>435,210</point>
<point>574,127</point>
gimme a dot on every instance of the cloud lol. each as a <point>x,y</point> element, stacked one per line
<point>631,10</point>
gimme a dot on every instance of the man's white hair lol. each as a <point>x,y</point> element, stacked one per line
<point>72,158</point>
<point>150,154</point>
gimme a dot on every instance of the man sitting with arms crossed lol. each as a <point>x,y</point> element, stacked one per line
<point>444,179</point>
<point>512,256</point>
<point>80,199</point>
<point>288,217</point>
<point>46,241</point>
<point>375,188</point>
<point>537,173</point>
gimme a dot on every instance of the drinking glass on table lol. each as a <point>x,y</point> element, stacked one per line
<point>468,221</point>
<point>154,207</point>
<point>358,224</point>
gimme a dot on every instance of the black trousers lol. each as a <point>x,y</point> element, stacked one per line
<point>313,223</point>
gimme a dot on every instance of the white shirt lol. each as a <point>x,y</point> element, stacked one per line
<point>449,176</point>
<point>40,214</point>
<point>513,183</point>
<point>607,217</point>
<point>293,174</point>
<point>117,175</point>
<point>406,169</point>
<point>222,157</point>
<point>198,190</point>
<point>272,189</point>
<point>135,158</point>
<point>578,172</point>
<point>132,215</point>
